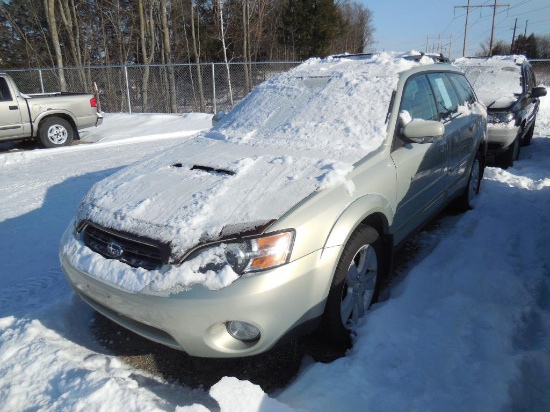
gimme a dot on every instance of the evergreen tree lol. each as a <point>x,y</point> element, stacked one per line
<point>310,26</point>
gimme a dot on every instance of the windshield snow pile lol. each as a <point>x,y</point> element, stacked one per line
<point>296,134</point>
<point>496,80</point>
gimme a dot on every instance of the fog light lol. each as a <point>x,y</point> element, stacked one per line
<point>243,331</point>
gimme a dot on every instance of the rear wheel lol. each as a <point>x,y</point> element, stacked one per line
<point>355,285</point>
<point>466,200</point>
<point>55,132</point>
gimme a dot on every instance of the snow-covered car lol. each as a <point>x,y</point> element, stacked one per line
<point>284,216</point>
<point>507,86</point>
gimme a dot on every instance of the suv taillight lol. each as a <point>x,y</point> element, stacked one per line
<point>93,102</point>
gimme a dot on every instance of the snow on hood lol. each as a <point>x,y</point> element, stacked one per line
<point>203,189</point>
<point>496,80</point>
<point>295,134</point>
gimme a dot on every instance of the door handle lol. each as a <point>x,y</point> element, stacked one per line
<point>14,107</point>
<point>471,127</point>
<point>442,147</point>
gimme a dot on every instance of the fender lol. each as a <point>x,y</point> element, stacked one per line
<point>65,114</point>
<point>359,211</point>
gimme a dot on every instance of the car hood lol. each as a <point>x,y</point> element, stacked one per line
<point>496,101</point>
<point>206,189</point>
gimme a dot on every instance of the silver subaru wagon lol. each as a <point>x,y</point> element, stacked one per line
<point>282,218</point>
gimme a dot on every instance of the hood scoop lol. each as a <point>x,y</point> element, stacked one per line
<point>208,169</point>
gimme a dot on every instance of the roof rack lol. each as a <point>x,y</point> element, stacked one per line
<point>437,57</point>
<point>352,56</point>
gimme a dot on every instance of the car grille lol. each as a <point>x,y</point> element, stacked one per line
<point>113,245</point>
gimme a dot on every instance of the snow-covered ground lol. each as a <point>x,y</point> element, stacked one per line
<point>467,328</point>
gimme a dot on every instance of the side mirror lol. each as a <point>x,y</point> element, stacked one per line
<point>538,92</point>
<point>423,131</point>
<point>217,117</point>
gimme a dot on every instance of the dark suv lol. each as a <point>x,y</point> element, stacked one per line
<point>507,86</point>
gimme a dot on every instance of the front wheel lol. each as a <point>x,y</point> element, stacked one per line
<point>528,136</point>
<point>507,159</point>
<point>55,132</point>
<point>355,285</point>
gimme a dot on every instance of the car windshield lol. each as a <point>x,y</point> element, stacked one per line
<point>502,81</point>
<point>340,113</point>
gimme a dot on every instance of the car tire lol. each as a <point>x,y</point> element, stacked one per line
<point>507,159</point>
<point>466,200</point>
<point>528,136</point>
<point>354,287</point>
<point>55,132</point>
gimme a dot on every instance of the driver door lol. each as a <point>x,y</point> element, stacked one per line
<point>421,167</point>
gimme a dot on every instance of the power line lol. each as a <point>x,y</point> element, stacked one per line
<point>467,7</point>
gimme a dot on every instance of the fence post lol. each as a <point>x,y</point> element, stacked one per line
<point>214,88</point>
<point>41,80</point>
<point>127,89</point>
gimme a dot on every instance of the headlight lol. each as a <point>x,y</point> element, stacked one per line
<point>505,117</point>
<point>251,254</point>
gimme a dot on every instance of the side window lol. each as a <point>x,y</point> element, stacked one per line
<point>463,89</point>
<point>530,78</point>
<point>5,95</point>
<point>418,99</point>
<point>445,96</point>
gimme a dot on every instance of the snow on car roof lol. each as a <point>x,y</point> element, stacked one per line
<point>511,60</point>
<point>306,108</point>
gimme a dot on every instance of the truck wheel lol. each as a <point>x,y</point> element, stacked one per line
<point>354,287</point>
<point>55,132</point>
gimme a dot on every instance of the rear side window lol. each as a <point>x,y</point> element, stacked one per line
<point>463,89</point>
<point>529,78</point>
<point>445,96</point>
<point>5,95</point>
<point>418,99</point>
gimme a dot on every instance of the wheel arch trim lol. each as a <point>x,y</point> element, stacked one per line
<point>373,209</point>
<point>63,114</point>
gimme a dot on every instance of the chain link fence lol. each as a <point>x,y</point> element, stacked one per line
<point>179,88</point>
<point>541,68</point>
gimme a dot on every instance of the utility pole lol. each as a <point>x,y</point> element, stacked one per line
<point>465,29</point>
<point>468,7</point>
<point>525,39</point>
<point>513,37</point>
<point>438,46</point>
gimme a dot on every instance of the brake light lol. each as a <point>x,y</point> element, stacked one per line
<point>93,102</point>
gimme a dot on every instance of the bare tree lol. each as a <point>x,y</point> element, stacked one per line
<point>168,56</point>
<point>222,37</point>
<point>147,43</point>
<point>196,50</point>
<point>49,6</point>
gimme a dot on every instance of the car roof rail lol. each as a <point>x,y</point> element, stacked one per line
<point>352,56</point>
<point>439,58</point>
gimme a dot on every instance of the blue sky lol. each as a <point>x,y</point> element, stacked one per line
<point>402,25</point>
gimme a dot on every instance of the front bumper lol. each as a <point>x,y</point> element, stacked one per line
<point>277,302</point>
<point>500,137</point>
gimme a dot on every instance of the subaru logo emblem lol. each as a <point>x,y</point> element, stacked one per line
<point>115,250</point>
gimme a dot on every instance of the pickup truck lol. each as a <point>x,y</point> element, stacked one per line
<point>52,118</point>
